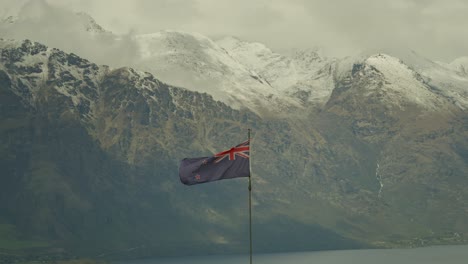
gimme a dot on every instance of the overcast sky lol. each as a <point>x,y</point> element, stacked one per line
<point>437,29</point>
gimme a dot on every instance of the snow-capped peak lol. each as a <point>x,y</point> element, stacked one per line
<point>395,83</point>
<point>236,72</point>
<point>251,54</point>
<point>91,25</point>
<point>300,74</point>
<point>170,41</point>
<point>31,66</point>
<point>391,67</point>
<point>194,61</point>
<point>460,65</point>
<point>449,79</point>
<point>36,15</point>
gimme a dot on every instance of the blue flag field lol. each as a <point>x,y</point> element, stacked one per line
<point>228,164</point>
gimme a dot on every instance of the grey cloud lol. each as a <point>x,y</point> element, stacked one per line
<point>143,16</point>
<point>64,29</point>
<point>437,29</point>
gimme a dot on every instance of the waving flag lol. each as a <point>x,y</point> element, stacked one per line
<point>228,164</point>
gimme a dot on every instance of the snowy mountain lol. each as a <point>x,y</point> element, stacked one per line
<point>49,20</point>
<point>91,25</point>
<point>394,83</point>
<point>72,32</point>
<point>460,65</point>
<point>446,79</point>
<point>411,77</point>
<point>57,109</point>
<point>364,151</point>
<point>90,156</point>
<point>306,76</point>
<point>239,73</point>
<point>302,74</point>
<point>196,62</point>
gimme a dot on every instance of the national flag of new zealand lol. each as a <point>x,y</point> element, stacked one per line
<point>232,163</point>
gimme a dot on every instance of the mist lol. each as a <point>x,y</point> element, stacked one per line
<point>61,28</point>
<point>436,29</point>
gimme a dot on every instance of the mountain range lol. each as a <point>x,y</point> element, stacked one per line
<point>364,151</point>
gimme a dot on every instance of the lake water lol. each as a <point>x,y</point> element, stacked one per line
<point>428,255</point>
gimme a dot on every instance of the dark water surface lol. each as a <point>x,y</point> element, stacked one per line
<point>428,255</point>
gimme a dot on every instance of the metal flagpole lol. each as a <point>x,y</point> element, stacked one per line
<point>250,197</point>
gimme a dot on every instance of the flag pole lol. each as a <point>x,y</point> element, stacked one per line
<point>250,196</point>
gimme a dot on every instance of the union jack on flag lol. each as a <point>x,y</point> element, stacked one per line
<point>241,150</point>
<point>228,164</point>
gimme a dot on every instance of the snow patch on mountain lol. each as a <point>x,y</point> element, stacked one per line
<point>91,25</point>
<point>195,62</point>
<point>403,83</point>
<point>71,32</point>
<point>460,65</point>
<point>239,73</point>
<point>303,74</point>
<point>445,79</point>
<point>450,84</point>
<point>32,66</point>
<point>410,78</point>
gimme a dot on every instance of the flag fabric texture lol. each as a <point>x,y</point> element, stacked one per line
<point>228,164</point>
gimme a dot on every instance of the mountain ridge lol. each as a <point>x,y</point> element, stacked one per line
<point>93,139</point>
<point>243,74</point>
<point>376,157</point>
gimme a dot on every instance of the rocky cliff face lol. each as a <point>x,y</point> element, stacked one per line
<point>81,144</point>
<point>89,158</point>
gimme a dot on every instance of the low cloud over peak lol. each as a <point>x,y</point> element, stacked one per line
<point>434,28</point>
